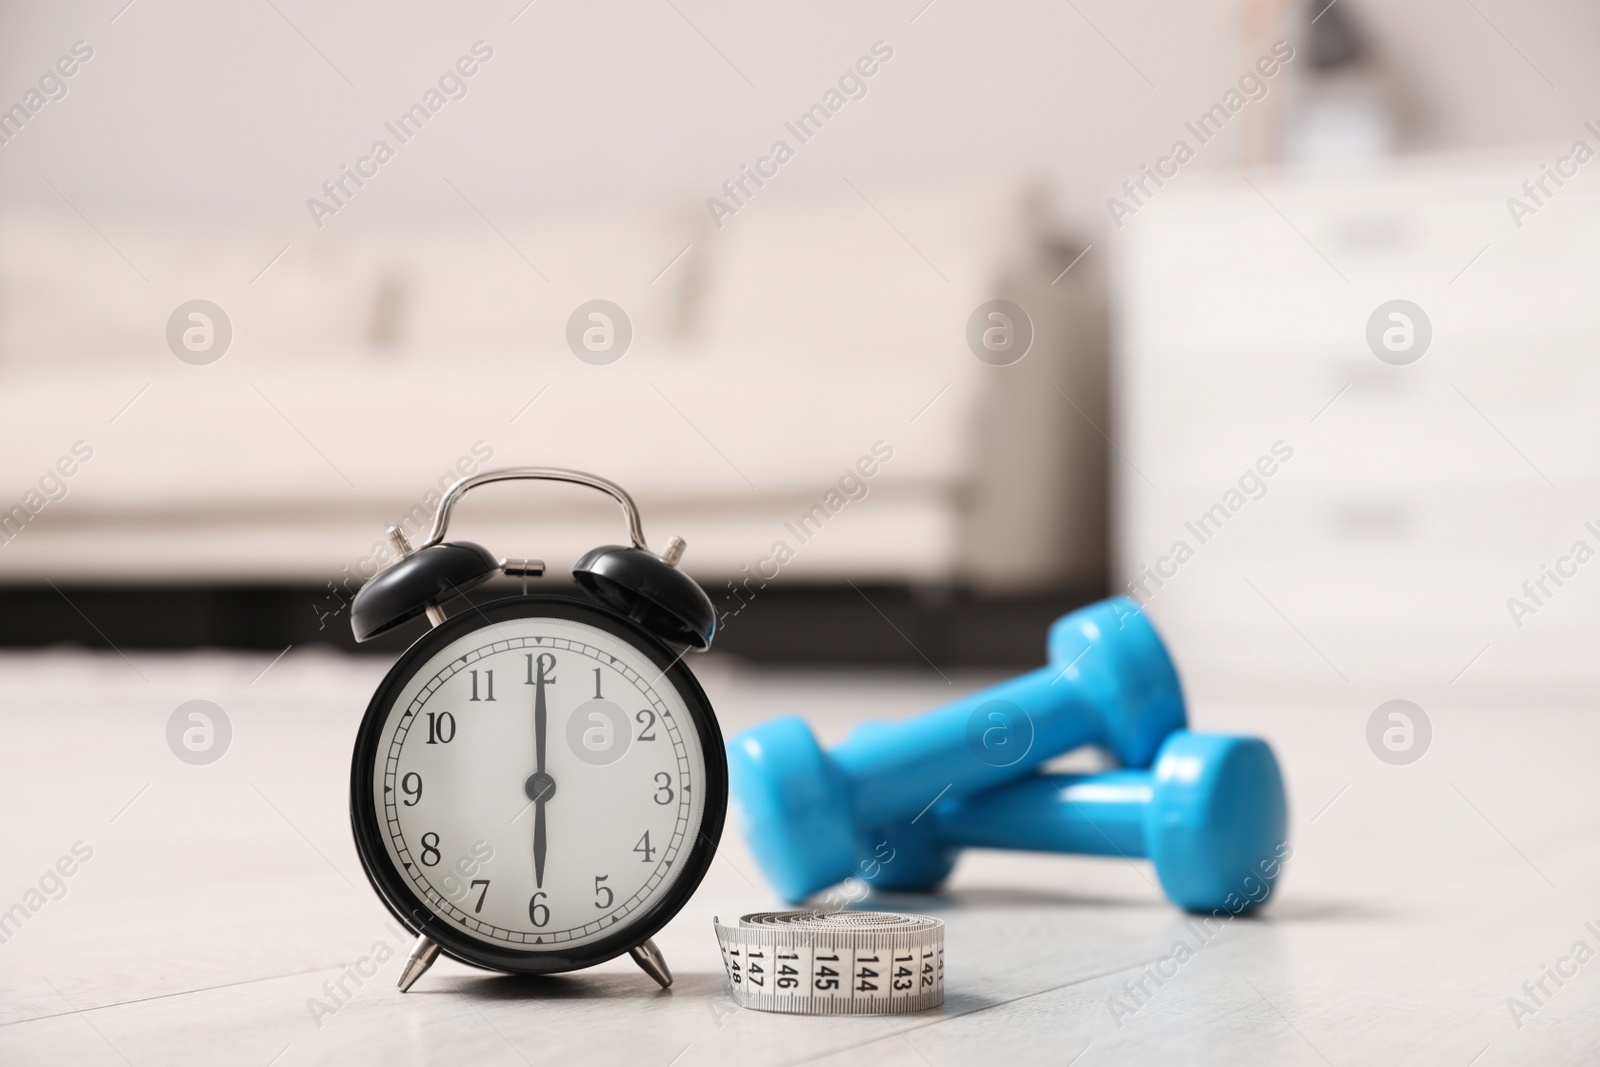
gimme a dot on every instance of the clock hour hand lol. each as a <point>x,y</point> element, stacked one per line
<point>540,787</point>
<point>538,845</point>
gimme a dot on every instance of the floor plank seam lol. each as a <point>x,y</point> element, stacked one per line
<point>168,996</point>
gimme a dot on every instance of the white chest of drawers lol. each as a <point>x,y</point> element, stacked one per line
<point>1419,498</point>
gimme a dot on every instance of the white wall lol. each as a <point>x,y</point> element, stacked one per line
<point>192,107</point>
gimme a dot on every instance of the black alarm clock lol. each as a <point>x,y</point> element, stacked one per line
<point>539,783</point>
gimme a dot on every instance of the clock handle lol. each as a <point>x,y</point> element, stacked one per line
<point>630,510</point>
<point>422,956</point>
<point>651,962</point>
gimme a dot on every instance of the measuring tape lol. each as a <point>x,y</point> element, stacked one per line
<point>834,963</point>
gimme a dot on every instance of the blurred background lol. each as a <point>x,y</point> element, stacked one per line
<point>1200,216</point>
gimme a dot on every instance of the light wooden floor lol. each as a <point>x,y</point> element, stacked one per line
<point>220,899</point>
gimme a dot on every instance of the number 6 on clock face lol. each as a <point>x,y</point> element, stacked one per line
<point>539,785</point>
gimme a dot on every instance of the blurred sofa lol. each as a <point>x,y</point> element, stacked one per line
<point>370,363</point>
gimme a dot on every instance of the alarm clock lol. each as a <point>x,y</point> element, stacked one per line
<point>539,783</point>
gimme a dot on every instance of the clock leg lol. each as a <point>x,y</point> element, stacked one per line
<point>422,956</point>
<point>650,960</point>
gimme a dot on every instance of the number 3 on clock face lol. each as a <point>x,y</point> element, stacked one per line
<point>538,786</point>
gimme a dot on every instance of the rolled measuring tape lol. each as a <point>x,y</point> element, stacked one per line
<point>834,963</point>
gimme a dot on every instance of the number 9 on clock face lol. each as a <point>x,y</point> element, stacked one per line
<point>537,786</point>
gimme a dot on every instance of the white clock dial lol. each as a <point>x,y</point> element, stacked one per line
<point>522,858</point>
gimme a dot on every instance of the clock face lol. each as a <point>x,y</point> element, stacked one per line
<point>535,778</point>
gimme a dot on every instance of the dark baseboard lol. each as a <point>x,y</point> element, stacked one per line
<point>873,625</point>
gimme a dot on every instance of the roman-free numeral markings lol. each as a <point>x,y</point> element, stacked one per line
<point>664,786</point>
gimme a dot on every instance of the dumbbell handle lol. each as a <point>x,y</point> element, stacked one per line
<point>1100,814</point>
<point>895,769</point>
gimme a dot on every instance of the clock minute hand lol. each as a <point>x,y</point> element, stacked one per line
<point>539,717</point>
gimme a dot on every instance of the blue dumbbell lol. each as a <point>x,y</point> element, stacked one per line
<point>1110,682</point>
<point>1210,814</point>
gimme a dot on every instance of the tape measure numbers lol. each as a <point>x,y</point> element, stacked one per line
<point>834,963</point>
